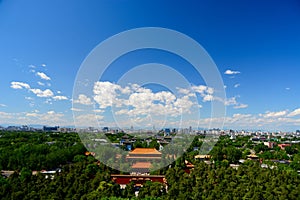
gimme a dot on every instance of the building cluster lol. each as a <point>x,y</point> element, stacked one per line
<point>165,131</point>
<point>47,173</point>
<point>38,129</point>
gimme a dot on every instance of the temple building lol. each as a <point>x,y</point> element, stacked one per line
<point>144,155</point>
<point>141,159</point>
<point>141,168</point>
<point>138,180</point>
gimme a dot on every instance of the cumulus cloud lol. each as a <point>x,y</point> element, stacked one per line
<point>43,76</point>
<point>38,92</point>
<point>106,93</point>
<point>231,72</point>
<point>19,85</point>
<point>134,100</point>
<point>205,92</point>
<point>183,91</point>
<point>83,99</point>
<point>42,93</point>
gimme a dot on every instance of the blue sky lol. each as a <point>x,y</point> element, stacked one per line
<point>42,40</point>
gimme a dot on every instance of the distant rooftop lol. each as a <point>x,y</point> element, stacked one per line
<point>145,151</point>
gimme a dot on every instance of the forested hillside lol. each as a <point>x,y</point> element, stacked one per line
<point>82,177</point>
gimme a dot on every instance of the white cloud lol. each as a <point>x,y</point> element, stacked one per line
<point>269,114</point>
<point>40,83</point>
<point>230,101</point>
<point>51,112</point>
<point>83,99</point>
<point>5,116</point>
<point>208,98</point>
<point>43,76</point>
<point>98,111</point>
<point>294,113</point>
<point>19,85</point>
<point>205,92</point>
<point>32,114</point>
<point>183,105</point>
<point>106,93</point>
<point>241,105</point>
<point>76,109</point>
<point>48,101</point>
<point>2,105</point>
<point>237,85</point>
<point>36,91</point>
<point>60,98</point>
<point>200,88</point>
<point>239,116</point>
<point>231,72</point>
<point>48,118</point>
<point>43,65</point>
<point>210,90</point>
<point>42,93</point>
<point>142,104</point>
<point>183,90</point>
<point>29,98</point>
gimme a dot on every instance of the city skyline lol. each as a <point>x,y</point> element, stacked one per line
<point>255,46</point>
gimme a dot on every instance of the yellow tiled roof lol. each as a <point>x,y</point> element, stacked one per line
<point>145,151</point>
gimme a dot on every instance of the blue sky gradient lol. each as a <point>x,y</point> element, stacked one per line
<point>259,39</point>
